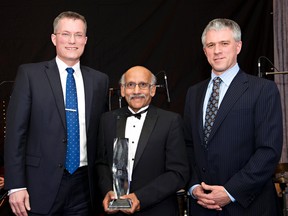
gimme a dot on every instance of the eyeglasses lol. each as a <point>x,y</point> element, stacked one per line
<point>68,35</point>
<point>141,85</point>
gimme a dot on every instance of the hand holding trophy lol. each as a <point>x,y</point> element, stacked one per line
<point>120,174</point>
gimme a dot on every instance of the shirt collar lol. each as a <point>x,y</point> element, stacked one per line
<point>228,75</point>
<point>62,66</point>
<point>143,108</point>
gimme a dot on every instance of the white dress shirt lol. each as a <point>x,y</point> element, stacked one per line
<point>226,77</point>
<point>81,104</point>
<point>132,132</point>
<point>81,108</point>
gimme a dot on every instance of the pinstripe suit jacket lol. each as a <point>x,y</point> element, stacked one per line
<point>244,146</point>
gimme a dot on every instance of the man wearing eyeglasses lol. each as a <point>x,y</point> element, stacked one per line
<point>53,114</point>
<point>157,163</point>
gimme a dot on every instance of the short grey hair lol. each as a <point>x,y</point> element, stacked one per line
<point>219,24</point>
<point>69,15</point>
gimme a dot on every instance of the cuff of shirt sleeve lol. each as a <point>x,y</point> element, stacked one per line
<point>15,190</point>
<point>231,197</point>
<point>191,190</point>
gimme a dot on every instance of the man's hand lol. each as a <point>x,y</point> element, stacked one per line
<point>211,197</point>
<point>134,201</point>
<point>107,199</point>
<point>201,195</point>
<point>19,202</point>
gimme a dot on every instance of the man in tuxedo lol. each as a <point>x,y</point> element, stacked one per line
<point>157,160</point>
<point>37,137</point>
<point>233,152</point>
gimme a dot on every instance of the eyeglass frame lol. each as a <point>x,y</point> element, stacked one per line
<point>138,84</point>
<point>68,35</point>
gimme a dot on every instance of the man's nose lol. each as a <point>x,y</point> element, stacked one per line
<point>136,89</point>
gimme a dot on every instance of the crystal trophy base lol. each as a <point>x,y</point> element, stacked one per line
<point>120,204</point>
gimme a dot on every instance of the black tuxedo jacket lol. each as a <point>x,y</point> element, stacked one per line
<point>160,166</point>
<point>35,145</point>
<point>244,146</point>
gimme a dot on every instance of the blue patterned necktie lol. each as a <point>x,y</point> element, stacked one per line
<point>212,108</point>
<point>72,121</point>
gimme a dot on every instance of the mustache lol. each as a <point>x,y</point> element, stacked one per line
<point>132,96</point>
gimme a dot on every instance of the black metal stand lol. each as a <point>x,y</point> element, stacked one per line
<point>283,192</point>
<point>281,169</point>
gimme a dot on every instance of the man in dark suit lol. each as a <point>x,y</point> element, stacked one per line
<point>36,140</point>
<point>234,155</point>
<point>157,161</point>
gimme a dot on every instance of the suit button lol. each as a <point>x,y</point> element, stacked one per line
<point>64,140</point>
<point>60,165</point>
<point>203,169</point>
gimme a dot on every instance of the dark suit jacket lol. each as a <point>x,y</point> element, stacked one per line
<point>35,145</point>
<point>160,167</point>
<point>244,146</point>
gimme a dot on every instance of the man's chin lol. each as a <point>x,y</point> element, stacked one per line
<point>136,105</point>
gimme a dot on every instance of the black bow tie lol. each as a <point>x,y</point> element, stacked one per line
<point>137,115</point>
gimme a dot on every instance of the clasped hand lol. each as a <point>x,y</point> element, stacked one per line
<point>211,196</point>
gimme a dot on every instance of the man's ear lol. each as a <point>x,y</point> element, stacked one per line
<point>122,88</point>
<point>153,90</point>
<point>53,39</point>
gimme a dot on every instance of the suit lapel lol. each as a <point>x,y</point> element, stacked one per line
<point>147,129</point>
<point>53,76</point>
<point>121,123</point>
<point>237,87</point>
<point>117,129</point>
<point>88,89</point>
<point>200,101</point>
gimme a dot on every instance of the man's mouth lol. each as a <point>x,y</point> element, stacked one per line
<point>71,48</point>
<point>218,58</point>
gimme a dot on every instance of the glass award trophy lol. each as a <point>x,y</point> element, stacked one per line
<point>120,174</point>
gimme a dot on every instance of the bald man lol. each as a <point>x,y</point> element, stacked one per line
<point>157,163</point>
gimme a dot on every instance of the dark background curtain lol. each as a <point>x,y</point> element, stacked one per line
<point>159,34</point>
<point>281,63</point>
<point>163,35</point>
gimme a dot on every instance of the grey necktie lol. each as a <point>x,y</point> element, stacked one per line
<point>212,108</point>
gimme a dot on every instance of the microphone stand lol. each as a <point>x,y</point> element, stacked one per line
<point>268,73</point>
<point>259,68</point>
<point>110,95</point>
<point>111,90</point>
<point>165,85</point>
<point>6,81</point>
<point>275,73</point>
